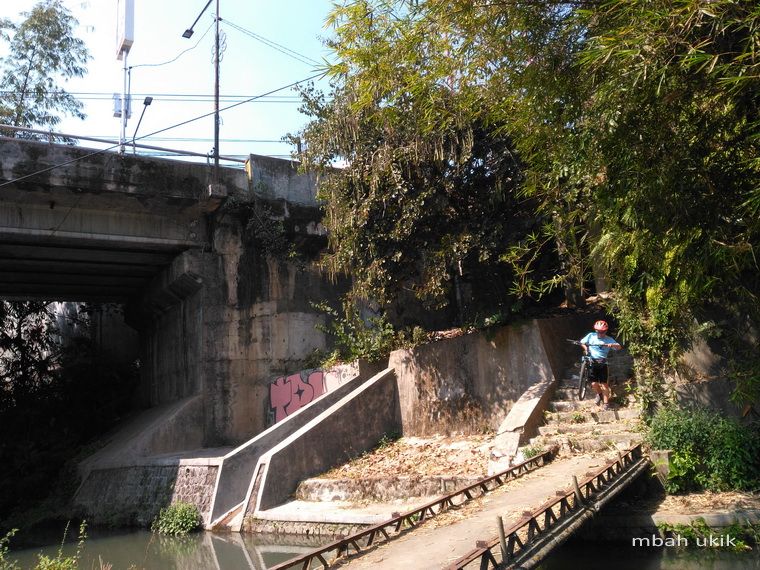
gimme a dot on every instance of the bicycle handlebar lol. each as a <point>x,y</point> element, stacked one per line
<point>579,343</point>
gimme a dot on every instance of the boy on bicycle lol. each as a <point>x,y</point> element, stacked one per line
<point>597,345</point>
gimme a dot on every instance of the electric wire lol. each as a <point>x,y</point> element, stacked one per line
<point>197,118</point>
<point>178,56</point>
<point>274,45</point>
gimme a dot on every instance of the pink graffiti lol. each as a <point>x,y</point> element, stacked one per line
<point>291,393</point>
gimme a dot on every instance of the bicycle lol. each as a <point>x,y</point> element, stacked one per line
<point>583,375</point>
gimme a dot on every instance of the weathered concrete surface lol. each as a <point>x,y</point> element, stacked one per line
<point>381,489</point>
<point>348,428</point>
<point>160,430</point>
<point>133,495</point>
<point>279,179</point>
<point>469,383</point>
<point>78,224</point>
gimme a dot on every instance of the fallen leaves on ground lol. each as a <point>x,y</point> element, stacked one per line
<point>462,456</point>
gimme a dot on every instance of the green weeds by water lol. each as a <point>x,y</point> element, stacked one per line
<point>44,562</point>
<point>178,519</point>
<point>734,538</point>
<point>710,451</point>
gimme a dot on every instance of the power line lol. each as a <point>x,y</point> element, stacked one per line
<point>103,151</point>
<point>178,56</point>
<point>109,94</point>
<point>202,139</point>
<point>274,45</point>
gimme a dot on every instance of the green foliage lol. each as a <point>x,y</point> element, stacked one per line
<point>531,451</point>
<point>356,338</point>
<point>426,199</point>
<point>5,562</point>
<point>539,140</point>
<point>709,451</point>
<point>178,519</point>
<point>61,562</point>
<point>42,50</point>
<point>578,418</point>
<point>736,538</point>
<point>388,439</point>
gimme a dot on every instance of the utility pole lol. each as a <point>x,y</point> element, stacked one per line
<point>187,34</point>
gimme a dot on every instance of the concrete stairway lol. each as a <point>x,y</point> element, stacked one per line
<point>582,426</point>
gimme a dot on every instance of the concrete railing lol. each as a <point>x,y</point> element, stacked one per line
<point>237,468</point>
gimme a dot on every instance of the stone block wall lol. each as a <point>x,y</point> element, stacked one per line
<point>133,496</point>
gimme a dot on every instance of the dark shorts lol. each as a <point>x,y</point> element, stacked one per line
<point>598,372</point>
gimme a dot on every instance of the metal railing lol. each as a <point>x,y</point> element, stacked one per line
<point>528,541</point>
<point>53,137</point>
<point>399,524</point>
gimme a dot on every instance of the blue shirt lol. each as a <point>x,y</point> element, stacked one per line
<point>594,343</point>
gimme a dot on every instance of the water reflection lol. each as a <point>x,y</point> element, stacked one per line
<point>142,550</point>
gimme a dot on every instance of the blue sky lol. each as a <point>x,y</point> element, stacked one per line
<point>184,88</point>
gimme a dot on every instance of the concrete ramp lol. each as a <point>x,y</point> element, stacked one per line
<point>238,466</point>
<point>348,428</point>
<point>158,458</point>
<point>155,459</point>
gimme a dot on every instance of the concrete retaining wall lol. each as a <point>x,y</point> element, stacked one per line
<point>134,495</point>
<point>381,489</point>
<point>469,383</point>
<point>348,428</point>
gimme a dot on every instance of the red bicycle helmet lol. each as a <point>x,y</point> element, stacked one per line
<point>600,326</point>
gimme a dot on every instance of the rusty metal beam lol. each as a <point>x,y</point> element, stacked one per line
<point>366,539</point>
<point>528,543</point>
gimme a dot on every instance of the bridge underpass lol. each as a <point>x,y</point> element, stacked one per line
<point>97,228</point>
<point>217,317</point>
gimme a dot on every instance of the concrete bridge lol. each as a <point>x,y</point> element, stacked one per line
<point>220,314</point>
<point>217,316</point>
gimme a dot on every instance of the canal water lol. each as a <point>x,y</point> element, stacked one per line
<point>142,550</point>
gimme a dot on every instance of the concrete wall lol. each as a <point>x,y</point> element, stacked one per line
<point>345,430</point>
<point>469,383</point>
<point>225,322</point>
<point>279,179</point>
<point>135,494</point>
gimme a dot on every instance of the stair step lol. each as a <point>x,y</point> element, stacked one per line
<point>571,405</point>
<point>593,414</point>
<point>585,444</point>
<point>566,394</point>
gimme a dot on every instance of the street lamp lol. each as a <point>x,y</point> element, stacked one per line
<point>187,34</point>
<point>147,101</point>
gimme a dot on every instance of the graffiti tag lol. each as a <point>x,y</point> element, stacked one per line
<point>288,394</point>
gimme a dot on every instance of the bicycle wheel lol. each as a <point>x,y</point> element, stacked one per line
<point>582,380</point>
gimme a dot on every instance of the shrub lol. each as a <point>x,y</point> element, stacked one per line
<point>710,451</point>
<point>178,519</point>
<point>6,564</point>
